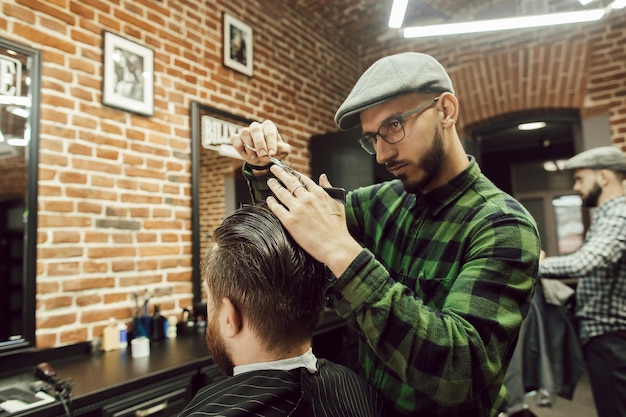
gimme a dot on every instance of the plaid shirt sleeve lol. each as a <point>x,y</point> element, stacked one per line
<point>604,245</point>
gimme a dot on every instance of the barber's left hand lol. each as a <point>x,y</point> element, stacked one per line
<point>315,220</point>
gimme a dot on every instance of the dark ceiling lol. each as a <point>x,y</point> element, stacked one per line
<point>365,21</point>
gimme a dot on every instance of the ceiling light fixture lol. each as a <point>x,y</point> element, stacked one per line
<point>531,126</point>
<point>618,4</point>
<point>505,24</point>
<point>570,200</point>
<point>18,111</point>
<point>18,101</point>
<point>398,10</point>
<point>225,149</point>
<point>17,142</point>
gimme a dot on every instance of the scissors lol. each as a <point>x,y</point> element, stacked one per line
<point>335,192</point>
<point>276,161</point>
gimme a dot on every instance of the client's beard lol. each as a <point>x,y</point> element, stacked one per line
<point>217,347</point>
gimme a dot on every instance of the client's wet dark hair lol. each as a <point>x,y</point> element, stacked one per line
<point>277,286</point>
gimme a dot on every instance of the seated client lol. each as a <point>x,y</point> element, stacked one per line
<point>265,296</point>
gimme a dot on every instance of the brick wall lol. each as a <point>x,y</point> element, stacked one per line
<point>114,190</point>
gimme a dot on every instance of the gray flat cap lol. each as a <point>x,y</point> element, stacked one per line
<point>604,157</point>
<point>390,77</point>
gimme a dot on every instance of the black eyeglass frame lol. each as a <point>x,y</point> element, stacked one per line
<point>368,140</point>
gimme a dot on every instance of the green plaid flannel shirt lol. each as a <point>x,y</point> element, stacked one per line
<point>438,293</point>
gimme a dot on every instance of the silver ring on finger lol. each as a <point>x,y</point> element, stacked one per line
<point>293,192</point>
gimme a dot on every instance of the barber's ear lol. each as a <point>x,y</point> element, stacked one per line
<point>603,177</point>
<point>448,107</point>
<point>230,318</point>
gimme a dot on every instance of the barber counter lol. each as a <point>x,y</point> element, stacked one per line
<point>114,383</point>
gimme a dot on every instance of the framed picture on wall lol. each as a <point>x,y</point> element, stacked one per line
<point>128,75</point>
<point>237,45</point>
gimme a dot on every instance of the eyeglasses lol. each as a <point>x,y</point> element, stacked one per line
<point>392,130</point>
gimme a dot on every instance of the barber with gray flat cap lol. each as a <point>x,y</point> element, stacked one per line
<point>436,268</point>
<point>600,265</point>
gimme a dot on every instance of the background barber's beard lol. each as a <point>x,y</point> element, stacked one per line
<point>217,347</point>
<point>430,163</point>
<point>592,197</point>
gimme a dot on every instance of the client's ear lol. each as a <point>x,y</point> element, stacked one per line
<point>230,318</point>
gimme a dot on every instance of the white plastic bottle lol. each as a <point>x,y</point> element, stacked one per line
<point>171,329</point>
<point>111,336</point>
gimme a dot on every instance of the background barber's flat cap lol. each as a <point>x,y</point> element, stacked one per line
<point>390,77</point>
<point>604,157</point>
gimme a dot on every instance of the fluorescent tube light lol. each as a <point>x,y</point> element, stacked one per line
<point>585,2</point>
<point>224,149</point>
<point>17,142</point>
<point>566,200</point>
<point>18,111</point>
<point>618,4</point>
<point>19,101</point>
<point>531,126</point>
<point>504,24</point>
<point>398,9</point>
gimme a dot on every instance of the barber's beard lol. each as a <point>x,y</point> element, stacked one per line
<point>592,197</point>
<point>217,347</point>
<point>430,163</point>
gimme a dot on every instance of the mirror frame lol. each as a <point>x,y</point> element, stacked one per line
<point>197,111</point>
<point>29,276</point>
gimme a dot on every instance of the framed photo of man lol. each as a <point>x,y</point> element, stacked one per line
<point>237,45</point>
<point>128,82</point>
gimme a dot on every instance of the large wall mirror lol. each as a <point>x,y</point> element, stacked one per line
<point>20,69</point>
<point>217,186</point>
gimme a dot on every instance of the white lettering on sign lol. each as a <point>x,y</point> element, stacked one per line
<point>217,132</point>
<point>10,76</point>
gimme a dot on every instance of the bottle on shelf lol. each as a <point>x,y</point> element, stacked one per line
<point>111,336</point>
<point>123,335</point>
<point>157,325</point>
<point>171,329</point>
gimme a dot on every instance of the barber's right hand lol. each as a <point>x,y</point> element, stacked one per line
<point>263,137</point>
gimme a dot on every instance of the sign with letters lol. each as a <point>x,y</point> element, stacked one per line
<point>10,76</point>
<point>216,132</point>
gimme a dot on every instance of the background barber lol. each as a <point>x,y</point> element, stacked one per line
<point>600,265</point>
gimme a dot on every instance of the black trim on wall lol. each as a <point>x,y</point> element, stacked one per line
<point>28,341</point>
